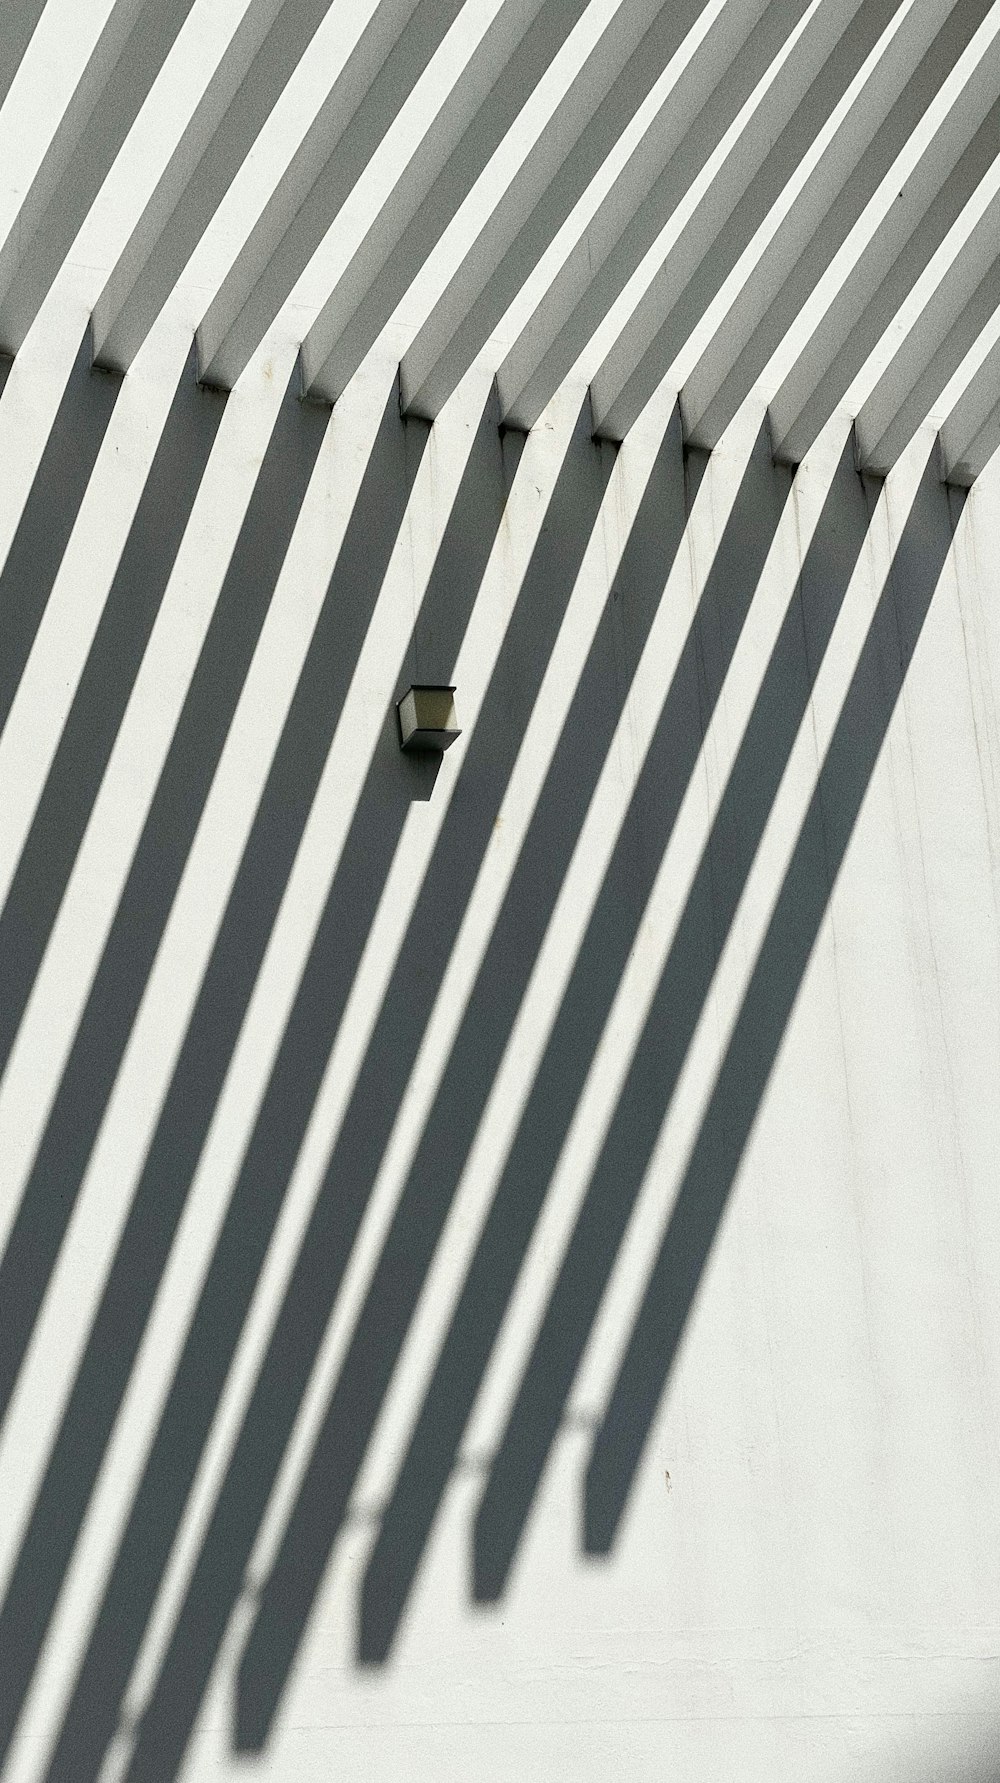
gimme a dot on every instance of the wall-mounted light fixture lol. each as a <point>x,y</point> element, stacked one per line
<point>427,718</point>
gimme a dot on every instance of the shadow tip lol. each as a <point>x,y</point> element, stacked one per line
<point>251,1720</point>
<point>489,1575</point>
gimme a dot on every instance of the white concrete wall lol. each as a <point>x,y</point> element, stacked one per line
<point>501,1263</point>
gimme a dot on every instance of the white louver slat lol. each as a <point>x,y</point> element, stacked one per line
<point>899,220</point>
<point>88,136</point>
<point>540,144</point>
<point>622,385</point>
<point>151,261</point>
<point>790,198</point>
<point>329,161</point>
<point>822,178</point>
<point>327,357</point>
<point>552,338</point>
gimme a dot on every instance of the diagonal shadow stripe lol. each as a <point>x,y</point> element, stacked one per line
<point>219,1574</point>
<point>818,856</point>
<point>92,724</point>
<point>709,910</point>
<point>198,1078</point>
<point>176,807</point>
<point>48,518</point>
<point>655,537</point>
<point>67,799</point>
<point>523,1185</point>
<point>393,781</point>
<point>161,1192</point>
<point>167,834</point>
<point>406,1255</point>
<point>73,782</point>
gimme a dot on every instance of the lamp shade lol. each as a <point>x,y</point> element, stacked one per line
<point>427,718</point>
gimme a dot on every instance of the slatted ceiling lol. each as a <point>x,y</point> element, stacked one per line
<point>971,431</point>
<point>926,394</point>
<point>366,96</point>
<point>226,123</point>
<point>643,349</point>
<point>119,73</point>
<point>506,299</point>
<point>616,213</point>
<point>330,355</point>
<point>785,196</point>
<point>543,150</point>
<point>936,319</point>
<point>43,181</point>
<point>899,225</point>
<point>360,304</point>
<point>700,271</point>
<point>824,194</point>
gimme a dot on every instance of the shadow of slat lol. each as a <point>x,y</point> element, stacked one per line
<point>419,1220</point>
<point>844,777</point>
<point>561,1075</point>
<point>476,1054</point>
<point>187,1111</point>
<point>47,519</point>
<point>98,707</point>
<point>219,1575</point>
<point>705,922</point>
<point>62,814</point>
<point>36,892</point>
<point>125,964</point>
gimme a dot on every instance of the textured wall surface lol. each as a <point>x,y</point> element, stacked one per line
<point>500,1270</point>
<point>499,1256</point>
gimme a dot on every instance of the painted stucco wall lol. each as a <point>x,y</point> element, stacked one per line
<point>500,1271</point>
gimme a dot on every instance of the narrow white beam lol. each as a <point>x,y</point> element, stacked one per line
<point>710,396</point>
<point>87,94</point>
<point>356,309</point>
<point>197,174</point>
<point>533,161</point>
<point>934,341</point>
<point>589,276</point>
<point>320,176</point>
<point>897,219</point>
<point>971,434</point>
<point>640,356</point>
<point>118,75</point>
